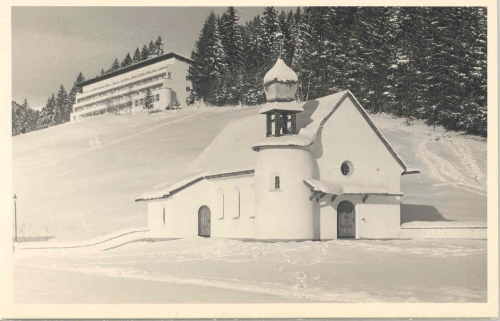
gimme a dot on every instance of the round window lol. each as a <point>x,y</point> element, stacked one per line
<point>346,168</point>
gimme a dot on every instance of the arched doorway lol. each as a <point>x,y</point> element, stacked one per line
<point>346,220</point>
<point>204,221</point>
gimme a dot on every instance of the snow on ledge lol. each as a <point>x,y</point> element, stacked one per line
<point>443,224</point>
<point>290,106</point>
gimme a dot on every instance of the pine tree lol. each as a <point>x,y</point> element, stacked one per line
<point>102,73</point>
<point>272,36</point>
<point>76,89</point>
<point>231,38</point>
<point>20,118</point>
<point>159,46</point>
<point>144,53</point>
<point>127,61</point>
<point>301,62</point>
<point>46,118</point>
<point>137,56</point>
<point>148,100</point>
<point>209,61</point>
<point>152,50</point>
<point>32,118</point>
<point>115,65</point>
<point>24,125</point>
<point>62,108</point>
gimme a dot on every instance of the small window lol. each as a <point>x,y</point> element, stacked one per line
<point>137,102</point>
<point>346,168</point>
<point>276,182</point>
<point>188,78</point>
<point>157,97</point>
<point>163,216</point>
<point>188,89</point>
<point>169,75</point>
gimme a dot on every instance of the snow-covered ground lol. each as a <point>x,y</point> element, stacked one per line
<point>217,270</point>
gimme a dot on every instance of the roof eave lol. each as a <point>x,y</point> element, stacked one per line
<point>138,65</point>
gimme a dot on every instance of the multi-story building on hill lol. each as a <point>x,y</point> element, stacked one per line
<point>124,89</point>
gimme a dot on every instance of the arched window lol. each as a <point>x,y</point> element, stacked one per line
<point>276,182</point>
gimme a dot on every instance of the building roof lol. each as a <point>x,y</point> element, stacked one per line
<point>134,67</point>
<point>316,113</point>
<point>231,151</point>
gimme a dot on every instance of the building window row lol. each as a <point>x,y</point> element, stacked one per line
<point>135,84</point>
<point>140,102</point>
<point>132,77</point>
<point>142,91</point>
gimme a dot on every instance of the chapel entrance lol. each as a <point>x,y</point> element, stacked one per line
<point>204,221</point>
<point>346,219</point>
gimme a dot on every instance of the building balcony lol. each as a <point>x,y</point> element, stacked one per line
<point>125,82</point>
<point>132,90</point>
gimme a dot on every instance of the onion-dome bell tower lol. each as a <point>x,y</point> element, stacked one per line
<point>280,85</point>
<point>283,210</point>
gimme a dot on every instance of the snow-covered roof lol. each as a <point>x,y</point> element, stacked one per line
<point>289,106</point>
<point>280,72</point>
<point>231,151</point>
<point>316,113</point>
<point>317,185</point>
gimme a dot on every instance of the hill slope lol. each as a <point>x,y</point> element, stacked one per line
<point>80,180</point>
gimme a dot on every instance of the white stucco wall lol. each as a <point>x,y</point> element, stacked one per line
<point>232,218</point>
<point>378,221</point>
<point>377,218</point>
<point>285,213</point>
<point>155,217</point>
<point>346,136</point>
<point>238,218</point>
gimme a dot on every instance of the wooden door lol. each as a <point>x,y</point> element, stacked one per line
<point>204,221</point>
<point>346,221</point>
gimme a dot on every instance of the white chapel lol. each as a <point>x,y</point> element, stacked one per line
<point>320,170</point>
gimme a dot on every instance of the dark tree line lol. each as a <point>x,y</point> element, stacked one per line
<point>154,49</point>
<point>56,111</point>
<point>414,62</point>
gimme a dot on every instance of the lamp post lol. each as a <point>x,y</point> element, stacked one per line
<point>15,216</point>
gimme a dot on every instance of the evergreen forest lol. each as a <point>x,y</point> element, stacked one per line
<point>413,62</point>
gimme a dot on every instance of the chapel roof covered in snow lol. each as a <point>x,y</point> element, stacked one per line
<point>230,153</point>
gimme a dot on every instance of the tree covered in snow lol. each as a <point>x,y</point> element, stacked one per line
<point>62,107</point>
<point>209,62</point>
<point>46,118</point>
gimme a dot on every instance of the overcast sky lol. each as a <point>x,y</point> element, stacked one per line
<point>51,45</point>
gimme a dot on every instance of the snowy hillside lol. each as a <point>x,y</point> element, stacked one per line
<point>76,181</point>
